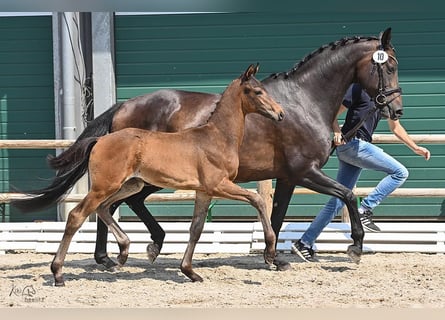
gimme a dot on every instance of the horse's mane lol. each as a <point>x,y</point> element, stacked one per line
<point>332,46</point>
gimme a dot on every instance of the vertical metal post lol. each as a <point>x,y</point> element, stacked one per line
<point>104,82</point>
<point>68,72</point>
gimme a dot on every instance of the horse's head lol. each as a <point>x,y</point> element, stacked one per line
<point>255,98</point>
<point>377,72</point>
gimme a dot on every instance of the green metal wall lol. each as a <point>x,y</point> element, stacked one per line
<point>205,52</point>
<point>26,105</point>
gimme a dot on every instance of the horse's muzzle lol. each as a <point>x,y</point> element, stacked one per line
<point>396,114</point>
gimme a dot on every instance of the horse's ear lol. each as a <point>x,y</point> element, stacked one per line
<point>385,39</point>
<point>257,67</point>
<point>250,71</point>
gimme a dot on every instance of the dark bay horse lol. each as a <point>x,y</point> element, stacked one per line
<point>204,159</point>
<point>293,152</point>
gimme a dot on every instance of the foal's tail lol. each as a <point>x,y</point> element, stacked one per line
<point>78,157</point>
<point>97,127</point>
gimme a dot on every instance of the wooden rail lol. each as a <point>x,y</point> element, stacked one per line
<point>35,144</point>
<point>54,144</point>
<point>264,187</point>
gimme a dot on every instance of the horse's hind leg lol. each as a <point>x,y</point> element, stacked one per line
<point>202,203</point>
<point>157,234</point>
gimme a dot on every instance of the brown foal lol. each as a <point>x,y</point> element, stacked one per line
<point>204,159</point>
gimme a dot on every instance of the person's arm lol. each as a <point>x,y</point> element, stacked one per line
<point>338,140</point>
<point>399,131</point>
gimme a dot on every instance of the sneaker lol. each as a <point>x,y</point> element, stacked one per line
<point>305,253</point>
<point>367,223</point>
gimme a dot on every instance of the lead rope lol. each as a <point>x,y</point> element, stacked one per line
<point>351,133</point>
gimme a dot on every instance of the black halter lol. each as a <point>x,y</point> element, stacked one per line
<point>381,99</point>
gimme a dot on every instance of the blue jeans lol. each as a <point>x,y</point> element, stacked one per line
<point>353,157</point>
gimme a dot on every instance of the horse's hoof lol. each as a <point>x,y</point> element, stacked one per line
<point>59,283</point>
<point>192,275</point>
<point>152,252</point>
<point>282,265</point>
<point>354,253</point>
<point>269,257</point>
<point>195,278</point>
<point>113,269</point>
<point>121,259</point>
<point>109,264</point>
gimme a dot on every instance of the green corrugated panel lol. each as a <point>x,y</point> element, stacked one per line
<point>26,105</point>
<point>205,52</point>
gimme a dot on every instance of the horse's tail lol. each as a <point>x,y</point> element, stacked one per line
<point>78,156</point>
<point>97,127</point>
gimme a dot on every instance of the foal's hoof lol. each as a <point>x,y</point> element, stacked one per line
<point>59,283</point>
<point>195,278</point>
<point>152,252</point>
<point>192,275</point>
<point>269,259</point>
<point>282,265</point>
<point>354,253</point>
<point>121,259</point>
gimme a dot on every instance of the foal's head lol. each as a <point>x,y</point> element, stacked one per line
<point>255,98</point>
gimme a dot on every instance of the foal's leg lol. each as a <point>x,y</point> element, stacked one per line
<point>228,189</point>
<point>130,187</point>
<point>76,218</point>
<point>121,238</point>
<point>202,203</point>
<point>136,203</point>
<point>100,252</point>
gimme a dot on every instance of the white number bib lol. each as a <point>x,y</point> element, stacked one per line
<point>380,56</point>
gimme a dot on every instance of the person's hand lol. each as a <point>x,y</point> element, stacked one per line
<point>338,139</point>
<point>424,152</point>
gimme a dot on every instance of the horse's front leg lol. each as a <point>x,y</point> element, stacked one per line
<point>202,203</point>
<point>282,196</point>
<point>357,233</point>
<point>316,180</point>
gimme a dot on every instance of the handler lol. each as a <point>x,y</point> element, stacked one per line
<point>354,155</point>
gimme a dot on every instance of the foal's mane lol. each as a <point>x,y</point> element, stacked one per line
<point>332,46</point>
<point>219,101</point>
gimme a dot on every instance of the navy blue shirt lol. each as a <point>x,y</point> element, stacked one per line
<point>359,103</point>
